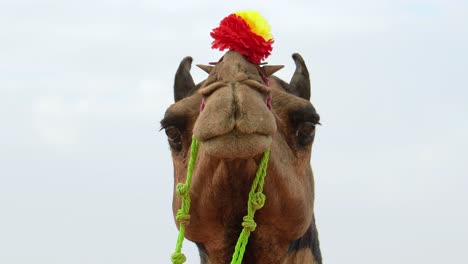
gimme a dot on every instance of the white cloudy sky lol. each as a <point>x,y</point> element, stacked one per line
<point>85,176</point>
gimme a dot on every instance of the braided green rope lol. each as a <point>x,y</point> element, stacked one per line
<point>183,216</point>
<point>255,202</point>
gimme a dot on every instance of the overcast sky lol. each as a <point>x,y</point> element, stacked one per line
<point>85,176</point>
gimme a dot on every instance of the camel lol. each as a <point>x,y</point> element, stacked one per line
<point>239,111</point>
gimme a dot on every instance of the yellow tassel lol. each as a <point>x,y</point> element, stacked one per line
<point>257,23</point>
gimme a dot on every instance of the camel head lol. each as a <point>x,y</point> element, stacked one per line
<point>231,111</point>
<point>238,112</point>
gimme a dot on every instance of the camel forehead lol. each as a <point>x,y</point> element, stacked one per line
<point>282,101</point>
<point>234,67</point>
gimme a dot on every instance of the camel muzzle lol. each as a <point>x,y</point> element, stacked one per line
<point>236,120</point>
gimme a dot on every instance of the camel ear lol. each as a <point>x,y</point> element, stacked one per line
<point>300,82</point>
<point>183,82</point>
<point>271,69</point>
<point>205,68</point>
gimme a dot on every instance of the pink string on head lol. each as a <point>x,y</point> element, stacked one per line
<point>269,99</point>
<point>202,104</point>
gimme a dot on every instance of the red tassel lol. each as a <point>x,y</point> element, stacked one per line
<point>233,33</point>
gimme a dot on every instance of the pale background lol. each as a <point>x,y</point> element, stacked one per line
<point>85,176</point>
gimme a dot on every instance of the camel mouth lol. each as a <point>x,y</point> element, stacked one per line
<point>235,144</point>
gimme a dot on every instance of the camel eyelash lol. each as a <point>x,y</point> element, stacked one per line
<point>304,115</point>
<point>172,121</point>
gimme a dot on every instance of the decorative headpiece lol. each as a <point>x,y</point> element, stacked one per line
<point>246,32</point>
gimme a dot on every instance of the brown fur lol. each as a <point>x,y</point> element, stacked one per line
<point>234,130</point>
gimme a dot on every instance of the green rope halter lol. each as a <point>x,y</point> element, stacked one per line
<point>256,201</point>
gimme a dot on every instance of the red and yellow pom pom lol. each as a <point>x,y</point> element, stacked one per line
<point>246,32</point>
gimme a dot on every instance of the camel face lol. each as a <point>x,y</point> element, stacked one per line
<point>238,112</point>
<point>236,121</point>
<point>233,113</point>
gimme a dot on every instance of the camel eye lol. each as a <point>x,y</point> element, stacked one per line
<point>305,133</point>
<point>172,133</point>
<point>174,136</point>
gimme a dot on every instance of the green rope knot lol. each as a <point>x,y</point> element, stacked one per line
<point>258,200</point>
<point>182,217</point>
<point>178,258</point>
<point>249,223</point>
<point>181,189</point>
